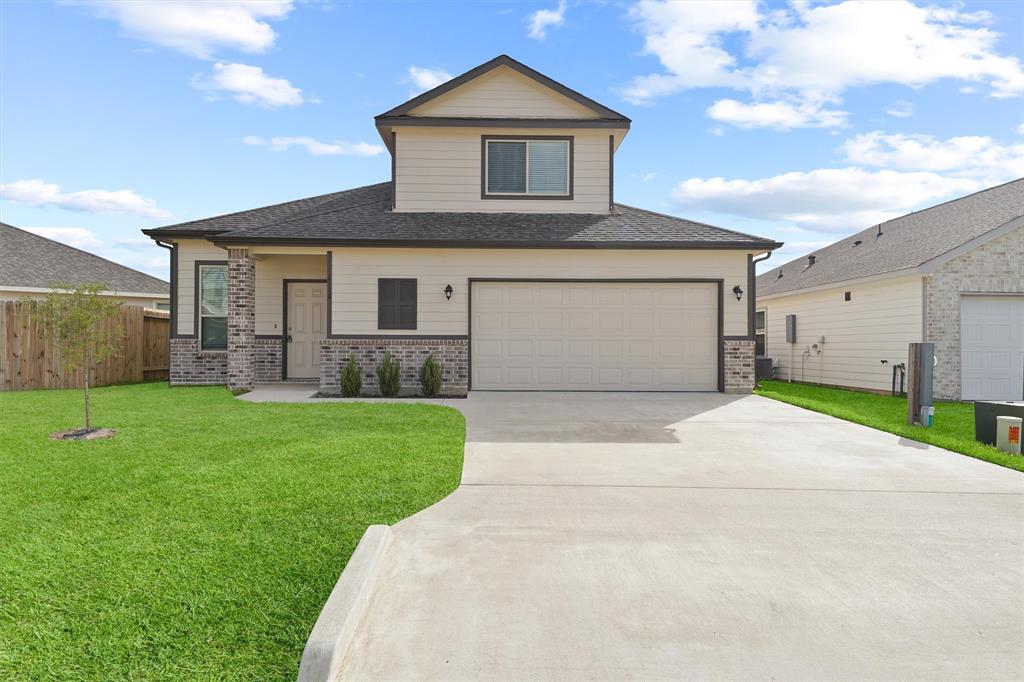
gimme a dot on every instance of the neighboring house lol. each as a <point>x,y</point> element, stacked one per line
<point>497,246</point>
<point>30,265</point>
<point>952,275</point>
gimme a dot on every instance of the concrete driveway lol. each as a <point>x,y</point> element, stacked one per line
<point>656,536</point>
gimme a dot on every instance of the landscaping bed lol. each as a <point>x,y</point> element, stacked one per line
<point>202,541</point>
<point>953,428</point>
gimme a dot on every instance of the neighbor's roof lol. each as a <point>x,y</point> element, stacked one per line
<point>28,260</point>
<point>363,217</point>
<point>905,242</point>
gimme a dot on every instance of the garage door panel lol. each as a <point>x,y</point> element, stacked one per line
<point>992,347</point>
<point>595,336</point>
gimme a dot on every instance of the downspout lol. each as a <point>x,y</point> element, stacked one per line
<point>173,313</point>
<point>752,287</point>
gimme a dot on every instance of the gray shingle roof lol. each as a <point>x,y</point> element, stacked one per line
<point>28,260</point>
<point>906,242</point>
<point>364,216</point>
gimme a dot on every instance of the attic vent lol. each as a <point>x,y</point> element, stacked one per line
<point>780,275</point>
<point>857,243</point>
<point>879,233</point>
<point>810,260</point>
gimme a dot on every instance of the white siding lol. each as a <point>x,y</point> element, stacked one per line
<point>878,322</point>
<point>355,273</point>
<point>503,93</point>
<point>189,251</point>
<point>271,271</point>
<point>439,169</point>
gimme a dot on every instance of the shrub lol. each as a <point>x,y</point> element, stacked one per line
<point>389,376</point>
<point>430,376</point>
<point>351,378</point>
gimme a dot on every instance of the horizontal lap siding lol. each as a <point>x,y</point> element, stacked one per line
<point>271,271</point>
<point>355,273</point>
<point>189,251</point>
<point>876,324</point>
<point>439,169</point>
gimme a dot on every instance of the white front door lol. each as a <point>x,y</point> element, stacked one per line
<point>307,327</point>
<point>992,347</point>
<point>595,336</point>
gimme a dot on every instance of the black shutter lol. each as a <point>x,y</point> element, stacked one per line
<point>396,303</point>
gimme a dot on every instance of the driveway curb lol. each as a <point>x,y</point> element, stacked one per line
<point>331,635</point>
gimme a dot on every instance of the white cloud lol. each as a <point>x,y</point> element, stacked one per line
<point>39,193</point>
<point>78,237</point>
<point>315,147</point>
<point>543,19</point>
<point>822,200</point>
<point>973,156</point>
<point>1020,129</point>
<point>198,28</point>
<point>643,177</point>
<point>424,79</point>
<point>250,85</point>
<point>900,109</point>
<point>779,115</point>
<point>813,53</point>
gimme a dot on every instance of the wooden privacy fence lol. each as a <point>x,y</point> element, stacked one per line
<point>29,359</point>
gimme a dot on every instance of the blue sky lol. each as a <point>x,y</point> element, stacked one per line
<point>802,122</point>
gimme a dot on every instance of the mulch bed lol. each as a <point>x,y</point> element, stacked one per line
<point>440,396</point>
<point>83,434</point>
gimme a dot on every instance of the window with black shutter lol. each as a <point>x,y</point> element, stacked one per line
<point>396,304</point>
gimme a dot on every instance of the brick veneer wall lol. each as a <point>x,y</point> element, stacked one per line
<point>241,319</point>
<point>453,354</point>
<point>995,267</point>
<point>191,367</point>
<point>268,359</point>
<point>738,365</point>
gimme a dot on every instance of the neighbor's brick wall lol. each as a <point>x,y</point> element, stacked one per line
<point>996,267</point>
<point>453,354</point>
<point>241,319</point>
<point>738,363</point>
<point>190,366</point>
<point>268,359</point>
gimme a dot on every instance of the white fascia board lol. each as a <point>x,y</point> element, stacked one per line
<point>843,283</point>
<point>930,266</point>
<point>46,290</point>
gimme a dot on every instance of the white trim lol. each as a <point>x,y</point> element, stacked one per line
<point>935,263</point>
<point>46,290</point>
<point>846,282</point>
<point>526,173</point>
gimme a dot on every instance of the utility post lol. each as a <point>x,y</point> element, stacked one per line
<point>920,363</point>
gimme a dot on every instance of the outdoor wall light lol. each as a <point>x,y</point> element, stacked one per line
<point>448,292</point>
<point>739,292</point>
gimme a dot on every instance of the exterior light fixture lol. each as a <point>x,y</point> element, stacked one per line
<point>739,292</point>
<point>448,292</point>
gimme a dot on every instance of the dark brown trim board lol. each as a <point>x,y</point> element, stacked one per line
<point>330,293</point>
<point>284,318</point>
<point>523,69</point>
<point>487,244</point>
<point>195,293</point>
<point>751,290</point>
<point>469,122</point>
<point>174,295</point>
<point>532,197</point>
<point>720,285</point>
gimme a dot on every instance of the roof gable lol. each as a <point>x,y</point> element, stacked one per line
<point>559,96</point>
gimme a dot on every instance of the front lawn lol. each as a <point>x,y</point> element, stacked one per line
<point>202,541</point>
<point>953,427</point>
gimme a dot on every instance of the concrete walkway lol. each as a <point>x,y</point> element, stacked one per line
<point>657,536</point>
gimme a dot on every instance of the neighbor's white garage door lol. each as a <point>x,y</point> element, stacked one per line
<point>992,347</point>
<point>534,336</point>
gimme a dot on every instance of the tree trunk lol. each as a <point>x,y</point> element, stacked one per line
<point>85,389</point>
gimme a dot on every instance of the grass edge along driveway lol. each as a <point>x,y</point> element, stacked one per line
<point>202,541</point>
<point>953,428</point>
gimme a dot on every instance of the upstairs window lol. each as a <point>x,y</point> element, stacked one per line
<point>213,307</point>
<point>530,168</point>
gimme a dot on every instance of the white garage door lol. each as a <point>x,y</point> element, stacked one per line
<point>992,347</point>
<point>595,336</point>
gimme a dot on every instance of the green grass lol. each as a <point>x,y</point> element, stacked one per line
<point>953,427</point>
<point>202,541</point>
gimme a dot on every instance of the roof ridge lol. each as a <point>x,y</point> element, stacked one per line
<point>87,253</point>
<point>695,222</point>
<point>337,194</point>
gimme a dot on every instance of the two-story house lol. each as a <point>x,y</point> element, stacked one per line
<point>497,245</point>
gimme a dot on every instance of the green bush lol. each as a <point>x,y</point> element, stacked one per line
<point>351,378</point>
<point>431,372</point>
<point>389,376</point>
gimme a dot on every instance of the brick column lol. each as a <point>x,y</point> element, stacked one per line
<point>738,361</point>
<point>241,319</point>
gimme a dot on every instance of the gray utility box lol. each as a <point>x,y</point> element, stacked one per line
<point>985,414</point>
